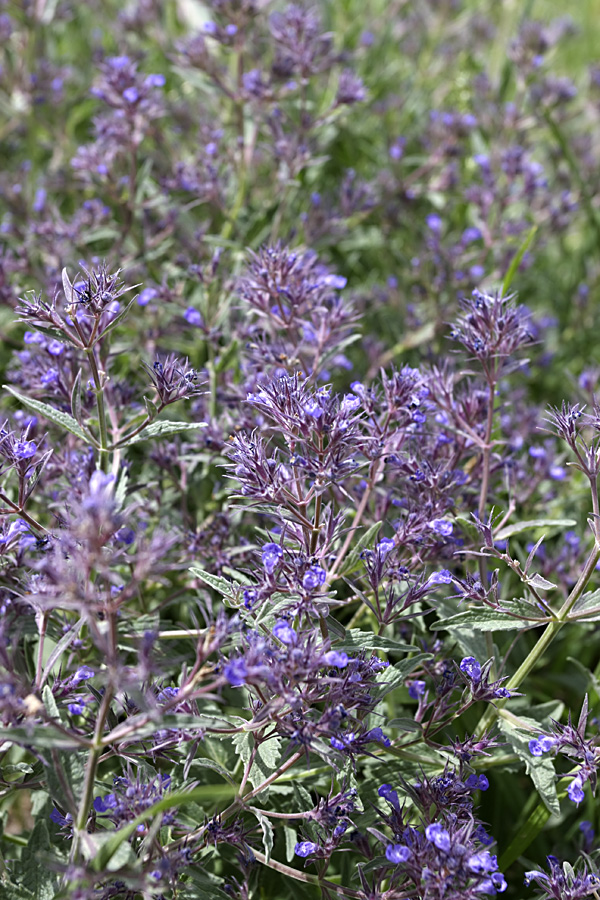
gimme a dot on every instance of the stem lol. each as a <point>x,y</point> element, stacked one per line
<point>24,515</point>
<point>40,654</point>
<point>90,773</point>
<point>305,876</point>
<point>99,394</point>
<point>544,641</point>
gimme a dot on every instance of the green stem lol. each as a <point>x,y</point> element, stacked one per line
<point>90,774</point>
<point>544,641</point>
<point>100,407</point>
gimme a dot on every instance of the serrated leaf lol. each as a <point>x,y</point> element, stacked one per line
<point>266,758</point>
<point>63,419</point>
<point>540,769</point>
<point>510,530</point>
<point>366,640</point>
<point>16,768</point>
<point>36,876</point>
<point>162,429</point>
<point>513,616</point>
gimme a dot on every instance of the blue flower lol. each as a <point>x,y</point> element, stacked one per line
<point>416,689</point>
<point>397,853</point>
<point>236,672</point>
<point>306,848</point>
<point>438,835</point>
<point>471,668</point>
<point>193,317</point>
<point>284,632</point>
<point>335,658</point>
<point>442,527</point>
<point>313,578</point>
<point>271,554</point>
<point>443,577</point>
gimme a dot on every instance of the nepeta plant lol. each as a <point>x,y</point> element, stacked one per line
<point>326,624</point>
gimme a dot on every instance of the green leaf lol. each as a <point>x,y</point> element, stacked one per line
<point>395,676</point>
<point>94,844</point>
<point>227,357</point>
<point>162,429</point>
<point>217,583</point>
<point>513,616</point>
<point>291,839</point>
<point>63,419</point>
<point>63,768</point>
<point>587,608</point>
<point>266,758</point>
<point>356,640</point>
<point>516,260</point>
<point>76,398</point>
<point>352,560</point>
<point>509,530</point>
<point>267,830</point>
<point>37,877</point>
<point>171,801</point>
<point>205,763</point>
<point>540,769</point>
<point>40,736</point>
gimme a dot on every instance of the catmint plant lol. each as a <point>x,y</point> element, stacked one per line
<point>324,625</point>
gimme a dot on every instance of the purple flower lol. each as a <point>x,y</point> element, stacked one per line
<point>236,672</point>
<point>82,674</point>
<point>336,659</point>
<point>385,545</point>
<point>477,782</point>
<point>155,80</point>
<point>193,317</point>
<point>575,790</point>
<point>386,791</point>
<point>397,853</point>
<point>131,94</point>
<point>443,577</point>
<point>105,804</point>
<point>284,632</point>
<point>314,409</point>
<point>64,821</point>
<point>271,554</point>
<point>146,296</point>
<point>483,863</point>
<point>442,526</point>
<point>77,708</point>
<point>25,449</point>
<point>313,578</point>
<point>471,668</point>
<point>434,223</point>
<point>438,836</point>
<point>55,348</point>
<point>306,848</point>
<point>416,689</point>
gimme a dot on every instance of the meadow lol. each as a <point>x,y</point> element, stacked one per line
<point>326,626</point>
